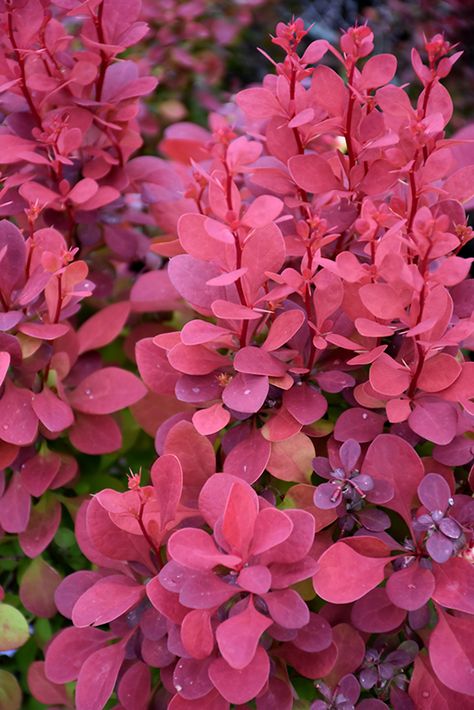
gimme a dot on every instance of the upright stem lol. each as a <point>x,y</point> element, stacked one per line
<point>348,128</point>
<point>104,59</point>
<point>21,63</point>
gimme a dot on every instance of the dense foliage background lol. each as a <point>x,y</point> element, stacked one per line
<point>235,322</point>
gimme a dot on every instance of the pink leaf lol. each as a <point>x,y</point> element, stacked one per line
<point>39,471</point>
<point>238,636</point>
<point>255,361</point>
<point>305,403</point>
<point>211,420</point>
<point>272,527</point>
<point>15,505</point>
<point>344,575</point>
<point>135,687</point>
<point>312,173</point>
<point>240,685</point>
<point>196,633</point>
<point>255,579</point>
<point>263,210</point>
<point>153,291</point>
<point>291,459</point>
<point>196,549</point>
<point>107,390</point>
<point>103,327</point>
<point>42,526</point>
<point>439,372</point>
<point>83,190</point>
<point>410,588</point>
<point>71,588</point>
<point>386,457</point>
<point>434,420</point>
<point>42,689</point>
<point>154,368</point>
<point>382,300</point>
<point>455,585</point>
<point>378,70</point>
<point>94,434</point>
<point>233,311</point>
<point>246,393</point>
<point>167,479</point>
<point>315,51</point>
<point>375,613</point>
<point>283,328</point>
<point>106,600</point>
<point>258,103</point>
<point>18,422</point>
<point>98,676</point>
<point>4,365</point>
<point>52,412</point>
<point>68,651</point>
<point>452,652</point>
<point>389,378</point>
<point>249,458</point>
<point>240,514</point>
<point>359,424</point>
<point>460,185</point>
<point>200,332</point>
<point>287,608</point>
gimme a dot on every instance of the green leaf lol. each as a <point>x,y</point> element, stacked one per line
<point>13,628</point>
<point>10,692</point>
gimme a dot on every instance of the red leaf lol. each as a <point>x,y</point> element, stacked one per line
<point>434,420</point>
<point>305,403</point>
<point>240,686</point>
<point>359,424</point>
<point>52,412</point>
<point>103,327</point>
<point>455,585</point>
<point>135,687</point>
<point>197,550</point>
<point>107,390</point>
<point>452,652</point>
<point>350,653</point>
<point>412,587</point>
<point>240,514</point>
<point>18,422</point>
<point>69,650</point>
<point>106,600</point>
<point>98,676</point>
<point>37,588</point>
<point>249,458</point>
<point>387,455</point>
<point>43,524</point>
<point>94,434</point>
<point>255,361</point>
<point>42,688</point>
<point>238,636</point>
<point>344,575</point>
<point>196,633</point>
<point>375,613</point>
<point>246,393</point>
<point>283,328</point>
<point>291,459</point>
<point>167,479</point>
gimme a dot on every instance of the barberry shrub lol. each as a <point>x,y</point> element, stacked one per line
<point>304,538</point>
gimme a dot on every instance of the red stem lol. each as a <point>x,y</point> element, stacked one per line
<point>21,64</point>
<point>104,59</point>
<point>347,132</point>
